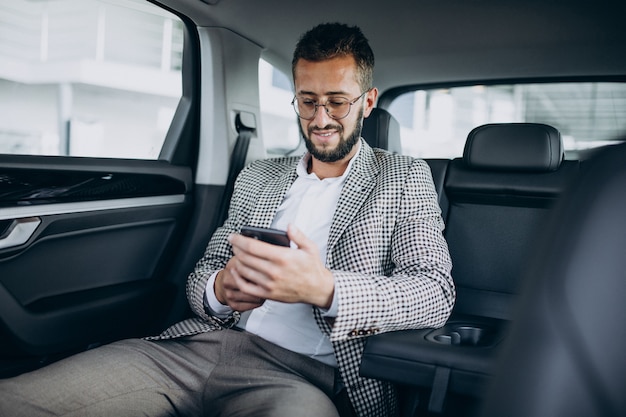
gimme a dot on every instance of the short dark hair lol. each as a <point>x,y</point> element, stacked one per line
<point>331,40</point>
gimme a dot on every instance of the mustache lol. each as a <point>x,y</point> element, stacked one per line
<point>312,129</point>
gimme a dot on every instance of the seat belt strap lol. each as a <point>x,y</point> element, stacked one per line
<point>237,162</point>
<point>440,388</point>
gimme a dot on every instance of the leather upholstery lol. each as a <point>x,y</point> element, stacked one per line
<point>565,354</point>
<point>382,130</point>
<point>500,195</point>
<point>514,147</point>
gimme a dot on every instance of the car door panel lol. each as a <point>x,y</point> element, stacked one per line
<point>95,263</point>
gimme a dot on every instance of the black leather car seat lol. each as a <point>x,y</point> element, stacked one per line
<point>500,193</point>
<point>565,353</point>
<point>382,130</point>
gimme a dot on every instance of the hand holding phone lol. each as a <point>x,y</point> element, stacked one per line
<point>273,236</point>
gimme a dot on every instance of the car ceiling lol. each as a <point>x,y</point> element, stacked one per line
<point>431,41</point>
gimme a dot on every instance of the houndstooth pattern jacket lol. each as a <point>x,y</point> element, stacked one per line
<point>386,250</point>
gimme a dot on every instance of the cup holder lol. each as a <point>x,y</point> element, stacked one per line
<point>462,335</point>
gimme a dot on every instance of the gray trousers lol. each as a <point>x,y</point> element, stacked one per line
<point>223,373</point>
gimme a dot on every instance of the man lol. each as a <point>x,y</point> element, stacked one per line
<point>367,256</point>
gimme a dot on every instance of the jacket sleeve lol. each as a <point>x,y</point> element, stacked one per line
<point>253,181</point>
<point>398,276</point>
<point>216,255</point>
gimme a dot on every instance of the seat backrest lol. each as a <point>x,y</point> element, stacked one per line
<point>438,169</point>
<point>382,130</point>
<point>565,352</point>
<point>499,194</point>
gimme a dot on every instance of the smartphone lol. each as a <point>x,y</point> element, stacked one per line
<point>273,236</point>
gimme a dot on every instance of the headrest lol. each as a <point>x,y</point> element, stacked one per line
<point>514,147</point>
<point>382,130</point>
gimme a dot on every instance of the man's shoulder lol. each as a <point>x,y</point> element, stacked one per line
<point>272,166</point>
<point>389,161</point>
<point>280,161</point>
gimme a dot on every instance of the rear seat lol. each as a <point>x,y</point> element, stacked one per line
<point>571,345</point>
<point>499,195</point>
<point>439,169</point>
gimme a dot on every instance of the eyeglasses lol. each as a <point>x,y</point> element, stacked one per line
<point>336,108</point>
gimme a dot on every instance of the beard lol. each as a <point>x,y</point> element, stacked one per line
<point>344,146</point>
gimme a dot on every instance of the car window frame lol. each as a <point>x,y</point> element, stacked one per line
<point>388,96</point>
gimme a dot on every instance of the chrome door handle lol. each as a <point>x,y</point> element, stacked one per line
<point>19,232</point>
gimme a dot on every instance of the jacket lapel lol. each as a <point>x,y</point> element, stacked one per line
<point>270,198</point>
<point>359,184</point>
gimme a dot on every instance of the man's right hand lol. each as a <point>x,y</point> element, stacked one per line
<point>228,293</point>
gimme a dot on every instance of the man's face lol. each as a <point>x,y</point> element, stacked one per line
<point>327,139</point>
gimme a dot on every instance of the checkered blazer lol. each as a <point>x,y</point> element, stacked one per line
<point>385,249</point>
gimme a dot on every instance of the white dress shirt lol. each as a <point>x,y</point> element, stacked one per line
<point>309,205</point>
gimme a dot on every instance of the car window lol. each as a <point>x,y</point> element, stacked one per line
<point>98,78</point>
<point>435,122</point>
<point>279,126</point>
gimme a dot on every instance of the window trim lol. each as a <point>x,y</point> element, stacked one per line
<point>180,146</point>
<point>388,96</point>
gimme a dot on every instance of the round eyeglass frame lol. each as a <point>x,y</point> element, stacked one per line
<point>351,103</point>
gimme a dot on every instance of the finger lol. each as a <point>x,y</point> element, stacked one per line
<point>239,300</point>
<point>259,262</point>
<point>249,289</point>
<point>243,245</point>
<point>300,239</point>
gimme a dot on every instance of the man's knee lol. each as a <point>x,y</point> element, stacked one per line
<point>299,400</point>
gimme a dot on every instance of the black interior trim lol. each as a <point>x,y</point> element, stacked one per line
<point>20,187</point>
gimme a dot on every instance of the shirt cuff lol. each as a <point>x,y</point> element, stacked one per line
<point>210,300</point>
<point>333,310</point>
